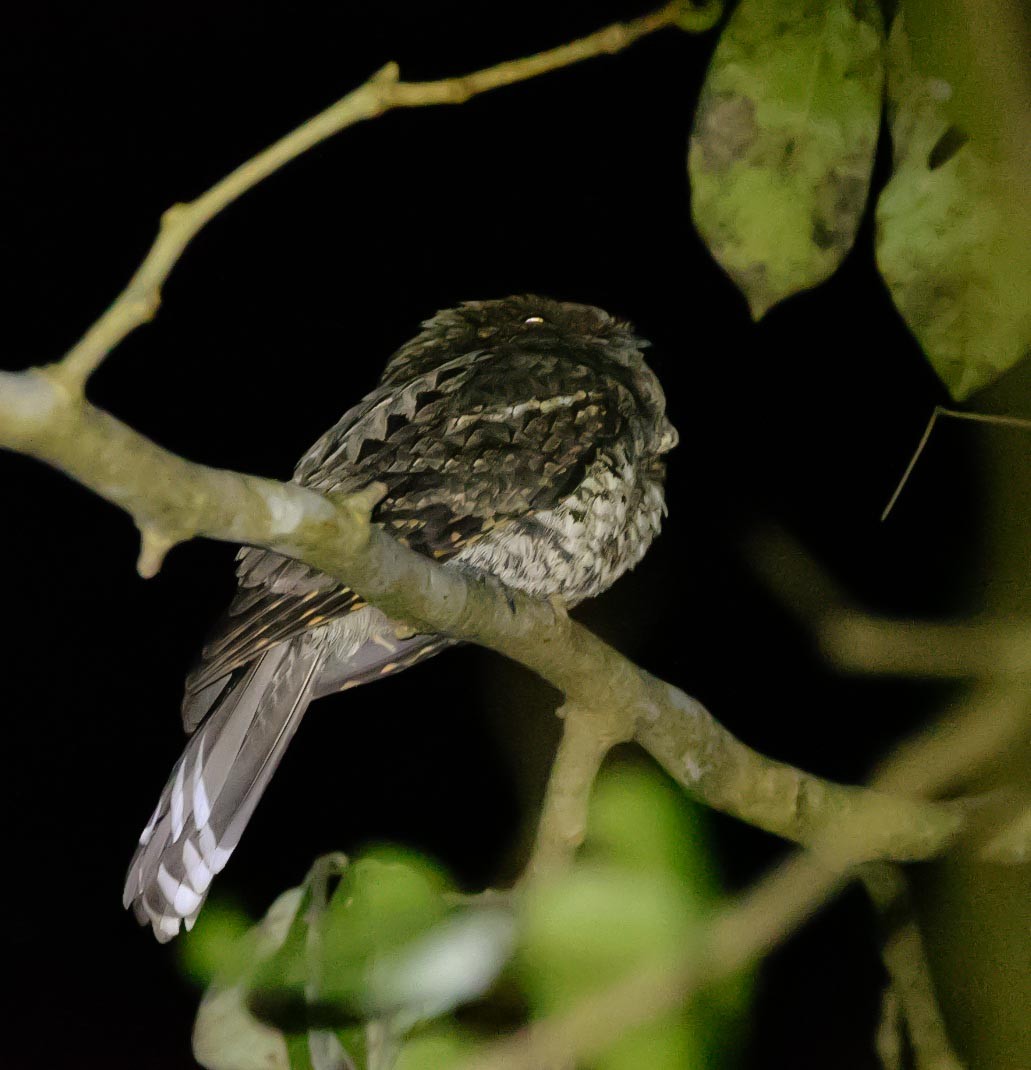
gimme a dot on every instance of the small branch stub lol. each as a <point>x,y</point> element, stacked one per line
<point>587,737</point>
<point>389,74</point>
<point>608,698</point>
<point>154,545</point>
<point>697,18</point>
<point>363,501</point>
<point>384,91</point>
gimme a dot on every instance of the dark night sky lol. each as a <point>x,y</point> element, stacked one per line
<point>279,317</point>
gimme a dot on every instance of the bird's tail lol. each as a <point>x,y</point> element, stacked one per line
<point>216,785</point>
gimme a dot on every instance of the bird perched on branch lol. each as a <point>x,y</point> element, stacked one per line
<point>521,438</point>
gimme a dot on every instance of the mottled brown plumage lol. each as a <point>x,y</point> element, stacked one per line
<point>519,437</point>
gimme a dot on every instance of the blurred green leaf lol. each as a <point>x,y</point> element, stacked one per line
<point>956,258</point>
<point>642,893</point>
<point>215,945</point>
<point>225,1034</point>
<point>359,965</point>
<point>344,966</point>
<point>320,973</point>
<point>583,933</point>
<point>297,1049</point>
<point>454,962</point>
<point>641,820</point>
<point>441,1048</point>
<point>783,141</point>
<point>671,1043</point>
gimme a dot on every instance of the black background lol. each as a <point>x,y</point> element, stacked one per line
<point>278,318</point>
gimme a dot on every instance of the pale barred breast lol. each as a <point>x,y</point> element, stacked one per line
<point>586,543</point>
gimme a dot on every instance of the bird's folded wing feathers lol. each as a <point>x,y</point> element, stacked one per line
<point>462,449</point>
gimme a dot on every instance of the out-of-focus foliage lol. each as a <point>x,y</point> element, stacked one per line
<point>957,262</point>
<point>784,139</point>
<point>225,1035</point>
<point>216,942</point>
<point>640,895</point>
<point>343,966</point>
<point>438,1048</point>
<point>362,965</point>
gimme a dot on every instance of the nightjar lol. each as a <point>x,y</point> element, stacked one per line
<point>521,437</point>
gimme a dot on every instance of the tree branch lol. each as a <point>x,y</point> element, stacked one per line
<point>981,648</point>
<point>985,648</point>
<point>43,414</point>
<point>139,301</point>
<point>173,499</point>
<point>739,934</point>
<point>910,987</point>
<point>587,736</point>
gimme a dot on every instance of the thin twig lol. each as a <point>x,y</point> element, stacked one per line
<point>139,301</point>
<point>959,740</point>
<point>888,1036</point>
<point>956,414</point>
<point>587,736</point>
<point>741,933</point>
<point>909,975</point>
<point>981,647</point>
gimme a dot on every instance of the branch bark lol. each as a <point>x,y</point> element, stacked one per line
<point>43,414</point>
<point>587,736</point>
<point>384,91</point>
<point>910,986</point>
<point>173,499</point>
<point>739,934</point>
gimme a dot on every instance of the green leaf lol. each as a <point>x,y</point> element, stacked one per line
<point>583,933</point>
<point>640,894</point>
<point>454,962</point>
<point>320,975</point>
<point>641,821</point>
<point>344,966</point>
<point>783,141</point>
<point>438,1049</point>
<point>955,254</point>
<point>225,1035</point>
<point>215,946</point>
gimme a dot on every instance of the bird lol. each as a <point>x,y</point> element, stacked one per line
<point>522,438</point>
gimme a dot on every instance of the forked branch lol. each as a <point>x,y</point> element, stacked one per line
<point>43,414</point>
<point>383,92</point>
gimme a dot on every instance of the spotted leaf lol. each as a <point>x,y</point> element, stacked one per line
<point>783,141</point>
<point>953,247</point>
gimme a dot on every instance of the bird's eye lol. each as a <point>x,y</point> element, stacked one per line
<point>533,319</point>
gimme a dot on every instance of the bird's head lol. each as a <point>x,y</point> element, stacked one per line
<point>527,322</point>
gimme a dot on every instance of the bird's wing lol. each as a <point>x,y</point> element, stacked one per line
<point>468,446</point>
